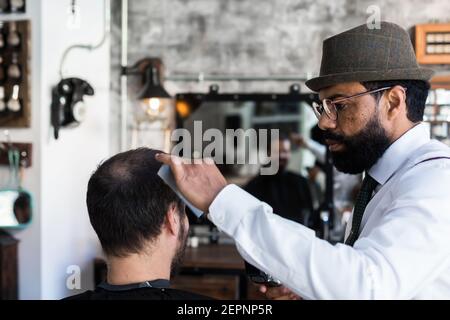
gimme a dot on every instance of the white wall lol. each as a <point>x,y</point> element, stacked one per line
<point>66,235</point>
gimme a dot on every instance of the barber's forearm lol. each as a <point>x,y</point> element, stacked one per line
<point>267,241</point>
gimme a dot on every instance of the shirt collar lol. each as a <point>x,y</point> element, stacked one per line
<point>158,283</point>
<point>398,152</point>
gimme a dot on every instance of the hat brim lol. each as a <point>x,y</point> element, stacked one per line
<point>318,83</point>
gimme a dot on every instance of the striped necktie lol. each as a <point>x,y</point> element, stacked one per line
<point>365,194</point>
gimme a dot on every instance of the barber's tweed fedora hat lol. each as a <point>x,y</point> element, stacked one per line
<point>363,54</point>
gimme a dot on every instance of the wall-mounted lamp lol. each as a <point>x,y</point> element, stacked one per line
<point>152,93</point>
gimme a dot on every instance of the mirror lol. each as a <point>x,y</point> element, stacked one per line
<point>222,112</point>
<point>15,208</point>
<point>286,112</point>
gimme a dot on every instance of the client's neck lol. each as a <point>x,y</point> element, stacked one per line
<point>136,268</point>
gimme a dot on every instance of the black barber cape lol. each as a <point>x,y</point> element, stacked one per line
<point>150,290</point>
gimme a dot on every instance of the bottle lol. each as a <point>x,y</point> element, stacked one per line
<point>325,218</point>
<point>17,5</point>
<point>2,99</point>
<point>14,69</point>
<point>13,37</point>
<point>4,6</point>
<point>326,208</point>
<point>14,104</point>
<point>2,37</point>
<point>214,235</point>
<point>2,71</point>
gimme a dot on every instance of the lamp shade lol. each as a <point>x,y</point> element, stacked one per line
<point>152,85</point>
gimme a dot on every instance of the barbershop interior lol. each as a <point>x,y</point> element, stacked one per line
<point>84,80</point>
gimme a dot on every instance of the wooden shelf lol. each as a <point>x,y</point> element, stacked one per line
<point>440,82</point>
<point>422,31</point>
<point>21,119</point>
<point>25,153</point>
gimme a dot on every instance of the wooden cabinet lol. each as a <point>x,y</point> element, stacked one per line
<point>214,286</point>
<point>221,287</point>
<point>8,267</point>
<point>216,271</point>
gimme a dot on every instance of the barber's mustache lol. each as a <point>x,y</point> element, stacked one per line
<point>327,135</point>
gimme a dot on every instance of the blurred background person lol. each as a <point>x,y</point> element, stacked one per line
<point>287,192</point>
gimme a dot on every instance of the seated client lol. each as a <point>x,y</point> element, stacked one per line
<point>142,227</point>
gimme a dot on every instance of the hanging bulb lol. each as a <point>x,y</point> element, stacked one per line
<point>74,16</point>
<point>153,107</point>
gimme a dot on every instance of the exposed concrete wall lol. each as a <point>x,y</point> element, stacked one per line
<point>264,37</point>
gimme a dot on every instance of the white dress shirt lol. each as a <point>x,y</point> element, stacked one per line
<point>403,251</point>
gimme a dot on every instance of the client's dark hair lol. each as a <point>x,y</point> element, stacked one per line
<point>127,201</point>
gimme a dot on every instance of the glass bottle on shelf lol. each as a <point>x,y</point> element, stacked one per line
<point>13,37</point>
<point>2,98</point>
<point>326,208</point>
<point>14,104</point>
<point>17,5</point>
<point>2,37</point>
<point>4,6</point>
<point>2,86</point>
<point>14,69</point>
<point>214,235</point>
<point>2,71</point>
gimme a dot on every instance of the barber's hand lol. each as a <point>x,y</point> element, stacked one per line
<point>298,140</point>
<point>199,182</point>
<point>278,293</point>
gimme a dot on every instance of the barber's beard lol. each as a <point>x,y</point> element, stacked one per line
<point>362,150</point>
<point>179,254</point>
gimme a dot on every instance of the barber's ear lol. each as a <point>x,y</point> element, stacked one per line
<point>396,100</point>
<point>172,219</point>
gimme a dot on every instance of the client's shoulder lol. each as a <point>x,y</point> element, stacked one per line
<point>82,296</point>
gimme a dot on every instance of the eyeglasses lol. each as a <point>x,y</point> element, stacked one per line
<point>331,107</point>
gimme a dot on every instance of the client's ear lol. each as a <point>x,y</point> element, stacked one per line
<point>172,219</point>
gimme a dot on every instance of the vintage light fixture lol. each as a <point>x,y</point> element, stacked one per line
<point>152,94</point>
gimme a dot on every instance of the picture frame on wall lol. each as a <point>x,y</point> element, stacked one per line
<point>432,43</point>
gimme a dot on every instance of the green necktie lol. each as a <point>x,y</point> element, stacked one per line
<point>365,194</point>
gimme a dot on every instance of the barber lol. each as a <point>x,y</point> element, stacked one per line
<point>373,96</point>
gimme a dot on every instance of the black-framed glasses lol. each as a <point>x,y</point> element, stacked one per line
<point>329,106</point>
